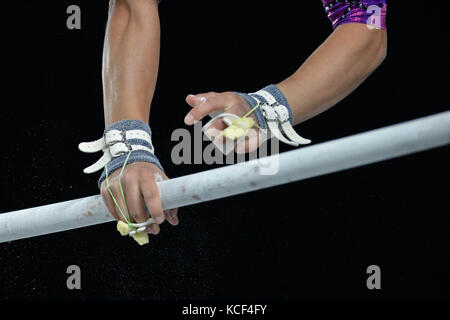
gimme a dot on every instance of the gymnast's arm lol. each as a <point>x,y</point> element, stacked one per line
<point>336,68</point>
<point>130,67</point>
<point>349,55</point>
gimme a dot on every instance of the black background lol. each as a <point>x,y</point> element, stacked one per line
<point>310,239</point>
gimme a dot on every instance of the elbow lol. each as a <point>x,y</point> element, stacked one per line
<point>378,47</point>
<point>382,51</point>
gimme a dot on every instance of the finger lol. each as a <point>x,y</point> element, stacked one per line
<point>153,229</point>
<point>115,189</point>
<point>174,213</point>
<point>169,216</point>
<point>250,142</point>
<point>135,201</point>
<point>194,100</point>
<point>213,102</point>
<point>223,141</point>
<point>109,203</point>
<point>218,125</point>
<point>172,217</point>
<point>152,200</point>
<point>215,129</point>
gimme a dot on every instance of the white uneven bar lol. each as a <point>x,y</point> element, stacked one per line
<point>336,155</point>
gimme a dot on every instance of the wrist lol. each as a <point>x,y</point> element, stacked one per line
<point>274,114</point>
<point>119,139</point>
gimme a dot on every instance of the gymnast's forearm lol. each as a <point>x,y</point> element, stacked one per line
<point>130,59</point>
<point>346,58</point>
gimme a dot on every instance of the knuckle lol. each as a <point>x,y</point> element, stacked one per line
<point>211,97</point>
<point>148,172</point>
<point>104,191</point>
<point>127,178</point>
<point>114,187</point>
<point>146,176</point>
<point>138,216</point>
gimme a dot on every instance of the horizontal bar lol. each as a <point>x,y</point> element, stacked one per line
<point>307,162</point>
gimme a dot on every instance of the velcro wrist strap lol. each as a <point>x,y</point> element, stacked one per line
<point>136,156</point>
<point>118,140</point>
<point>272,95</point>
<point>274,114</point>
<point>252,102</point>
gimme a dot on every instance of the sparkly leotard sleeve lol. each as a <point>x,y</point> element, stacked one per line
<point>370,12</point>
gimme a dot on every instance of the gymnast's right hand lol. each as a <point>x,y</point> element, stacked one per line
<point>140,189</point>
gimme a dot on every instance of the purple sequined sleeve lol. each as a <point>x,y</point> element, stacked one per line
<point>370,12</point>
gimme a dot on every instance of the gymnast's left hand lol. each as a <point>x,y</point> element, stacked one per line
<point>205,103</point>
